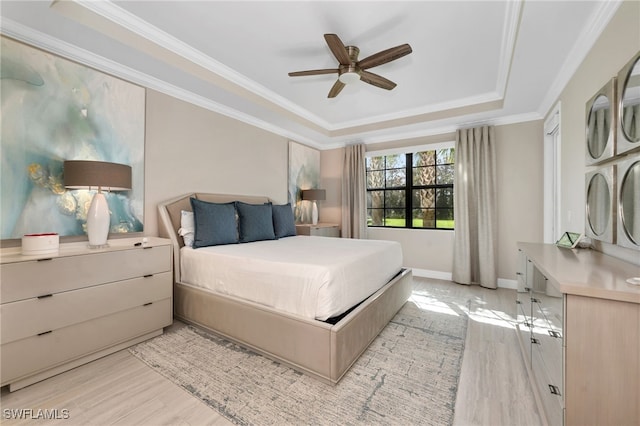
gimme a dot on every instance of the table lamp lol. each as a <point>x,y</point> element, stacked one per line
<point>100,175</point>
<point>314,195</point>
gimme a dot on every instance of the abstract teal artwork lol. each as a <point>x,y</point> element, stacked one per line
<point>304,173</point>
<point>52,110</point>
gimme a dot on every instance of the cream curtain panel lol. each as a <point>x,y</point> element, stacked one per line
<point>354,193</point>
<point>475,237</point>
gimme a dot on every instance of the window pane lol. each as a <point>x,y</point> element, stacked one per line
<point>375,163</point>
<point>395,199</point>
<point>396,178</point>
<point>444,197</point>
<point>424,175</point>
<point>425,198</point>
<point>396,161</point>
<point>445,218</point>
<point>445,156</point>
<point>375,217</point>
<point>424,158</point>
<point>375,179</point>
<point>424,218</point>
<point>395,218</point>
<point>445,174</point>
<point>375,199</point>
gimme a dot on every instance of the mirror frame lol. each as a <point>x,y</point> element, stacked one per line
<point>622,169</point>
<point>609,234</point>
<point>624,144</point>
<point>609,91</point>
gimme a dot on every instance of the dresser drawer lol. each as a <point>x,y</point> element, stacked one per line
<point>25,280</point>
<point>29,356</point>
<point>26,318</point>
<point>552,403</point>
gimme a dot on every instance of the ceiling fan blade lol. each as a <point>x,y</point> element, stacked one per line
<point>312,72</point>
<point>337,88</point>
<point>385,56</point>
<point>376,80</point>
<point>338,49</point>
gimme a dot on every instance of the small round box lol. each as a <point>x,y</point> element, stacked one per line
<point>36,244</point>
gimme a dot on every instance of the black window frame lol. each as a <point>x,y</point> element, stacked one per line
<point>409,188</point>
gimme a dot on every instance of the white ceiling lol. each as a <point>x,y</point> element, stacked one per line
<point>473,62</point>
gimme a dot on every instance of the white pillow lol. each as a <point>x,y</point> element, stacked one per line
<point>187,228</point>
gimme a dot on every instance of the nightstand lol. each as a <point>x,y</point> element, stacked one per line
<point>318,230</point>
<point>60,311</point>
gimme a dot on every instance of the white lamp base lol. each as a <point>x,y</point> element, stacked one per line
<point>314,213</point>
<point>98,221</point>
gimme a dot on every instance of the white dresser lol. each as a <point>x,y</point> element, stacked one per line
<point>60,311</point>
<point>579,325</point>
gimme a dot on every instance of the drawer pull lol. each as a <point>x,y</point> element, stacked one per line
<point>554,390</point>
<point>519,273</point>
<point>147,276</point>
<point>554,334</point>
<point>534,300</point>
<point>45,332</point>
<point>44,296</point>
<point>148,303</point>
<point>535,341</point>
<point>45,259</point>
<point>147,247</point>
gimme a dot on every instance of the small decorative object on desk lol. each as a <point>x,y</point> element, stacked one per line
<point>569,240</point>
<point>36,244</point>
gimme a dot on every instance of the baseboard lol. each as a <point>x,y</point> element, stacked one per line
<point>505,283</point>
<point>438,275</point>
<point>448,276</point>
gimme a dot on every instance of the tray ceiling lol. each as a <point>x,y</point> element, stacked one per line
<point>472,62</point>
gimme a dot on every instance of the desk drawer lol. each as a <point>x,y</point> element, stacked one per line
<point>35,354</point>
<point>26,318</point>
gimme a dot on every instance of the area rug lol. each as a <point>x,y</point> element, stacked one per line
<point>408,375</point>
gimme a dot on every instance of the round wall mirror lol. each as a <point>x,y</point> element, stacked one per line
<point>598,126</point>
<point>598,204</point>
<point>630,104</point>
<point>630,203</point>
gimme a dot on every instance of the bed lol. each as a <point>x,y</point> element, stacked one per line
<point>302,340</point>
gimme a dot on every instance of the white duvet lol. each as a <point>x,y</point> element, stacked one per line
<point>315,277</point>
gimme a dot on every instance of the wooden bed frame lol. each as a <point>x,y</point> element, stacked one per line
<point>313,347</point>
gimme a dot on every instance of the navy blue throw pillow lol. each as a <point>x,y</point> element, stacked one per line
<point>283,222</point>
<point>215,223</point>
<point>255,222</point>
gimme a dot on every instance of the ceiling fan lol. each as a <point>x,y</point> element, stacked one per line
<point>350,69</point>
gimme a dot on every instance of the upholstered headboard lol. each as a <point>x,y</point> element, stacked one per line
<point>170,214</point>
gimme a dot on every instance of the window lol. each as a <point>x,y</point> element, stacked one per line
<point>412,190</point>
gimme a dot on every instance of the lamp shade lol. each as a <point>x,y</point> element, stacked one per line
<point>314,194</point>
<point>80,174</point>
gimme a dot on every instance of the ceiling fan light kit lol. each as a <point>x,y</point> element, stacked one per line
<point>349,77</point>
<point>350,70</point>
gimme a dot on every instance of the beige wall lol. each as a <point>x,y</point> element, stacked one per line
<point>331,163</point>
<point>520,190</point>
<point>615,47</point>
<point>189,149</point>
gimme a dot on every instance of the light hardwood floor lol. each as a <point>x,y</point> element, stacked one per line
<point>121,390</point>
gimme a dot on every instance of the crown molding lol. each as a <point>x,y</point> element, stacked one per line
<point>587,38</point>
<point>507,48</point>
